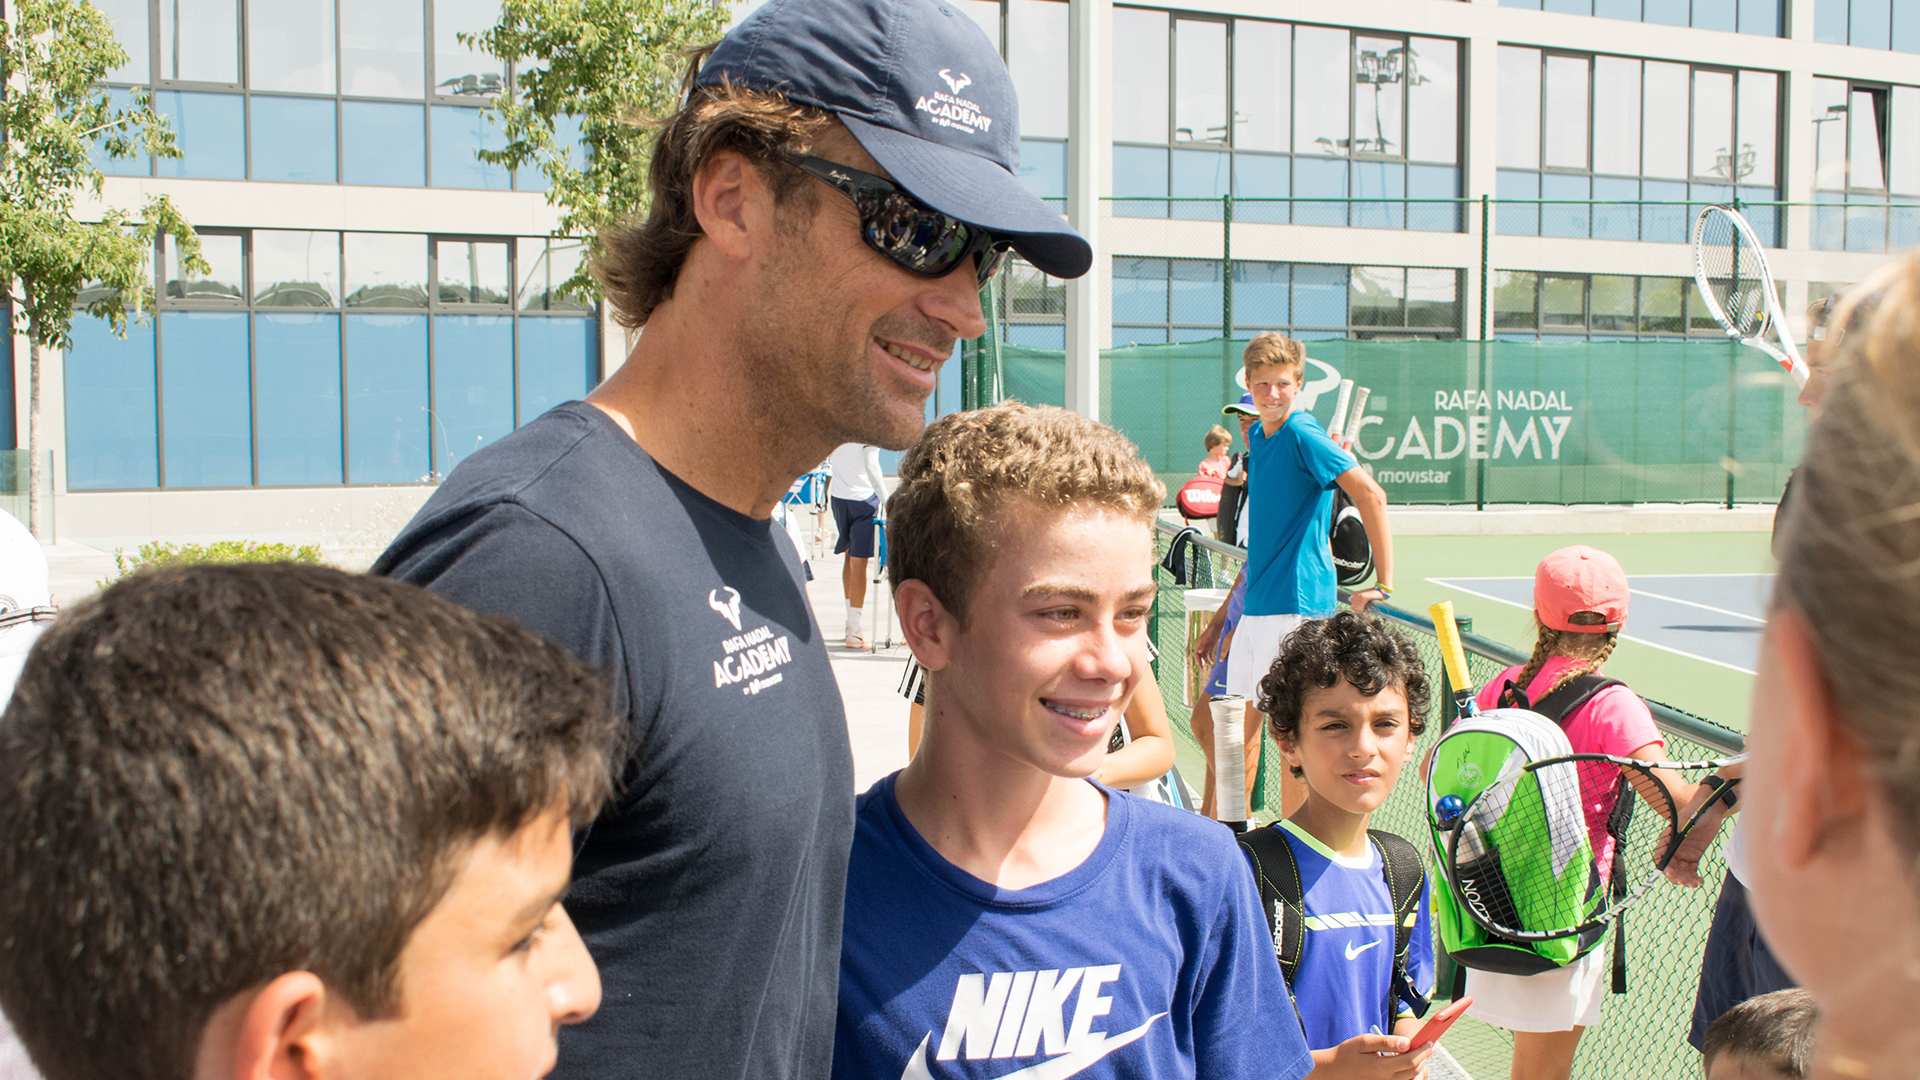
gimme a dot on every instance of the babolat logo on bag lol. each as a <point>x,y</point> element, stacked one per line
<point>1472,756</point>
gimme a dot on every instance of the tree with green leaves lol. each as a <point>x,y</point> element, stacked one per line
<point>56,250</point>
<point>607,66</point>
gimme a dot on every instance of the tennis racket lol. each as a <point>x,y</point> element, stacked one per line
<point>1230,760</point>
<point>1511,846</point>
<point>1351,429</point>
<point>1454,655</point>
<point>1337,423</point>
<point>1730,267</point>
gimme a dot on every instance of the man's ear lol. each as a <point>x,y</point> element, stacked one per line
<point>274,1033</point>
<point>1823,773</point>
<point>926,624</point>
<point>732,203</point>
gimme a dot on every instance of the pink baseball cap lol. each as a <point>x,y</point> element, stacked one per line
<point>1580,579</point>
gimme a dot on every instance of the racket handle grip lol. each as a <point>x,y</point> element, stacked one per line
<point>1452,653</point>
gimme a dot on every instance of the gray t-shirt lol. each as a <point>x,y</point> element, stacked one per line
<point>710,893</point>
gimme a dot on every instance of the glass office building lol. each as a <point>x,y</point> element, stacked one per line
<point>380,303</point>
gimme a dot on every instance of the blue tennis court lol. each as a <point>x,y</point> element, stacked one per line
<point>1712,617</point>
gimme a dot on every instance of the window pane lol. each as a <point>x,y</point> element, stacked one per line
<point>472,384</point>
<point>1520,107</point>
<point>206,413</point>
<point>209,130</point>
<point>1566,101</point>
<point>458,134</point>
<point>1616,116</point>
<point>1043,167</point>
<point>295,269</point>
<point>1664,153</point>
<point>1867,24</point>
<point>1433,299</point>
<point>290,45</point>
<point>1865,151</point>
<point>559,359</point>
<point>1037,58</point>
<point>1716,15</point>
<point>985,14</point>
<point>1760,17</point>
<point>470,272</point>
<point>1830,134</point>
<point>129,19</point>
<point>1321,74</point>
<point>1194,292</point>
<point>1375,295</point>
<point>298,365</point>
<point>1906,25</point>
<point>382,48</point>
<point>200,40</point>
<point>384,144</point>
<point>543,266</point>
<point>1613,303</point>
<point>387,419</point>
<point>1259,294</point>
<point>1139,75</point>
<point>1904,166</point>
<point>386,270</point>
<point>1563,302</point>
<point>1660,305</point>
<point>1262,78</point>
<point>136,164</point>
<point>460,69</point>
<point>1433,100</point>
<point>1513,300</point>
<point>224,283</point>
<point>112,411</point>
<point>1830,21</point>
<point>1319,295</point>
<point>1139,173</point>
<point>1667,12</point>
<point>1261,176</point>
<point>1759,119</point>
<point>1140,290</point>
<point>1199,81</point>
<point>293,140</point>
<point>1712,123</point>
<point>1379,110</point>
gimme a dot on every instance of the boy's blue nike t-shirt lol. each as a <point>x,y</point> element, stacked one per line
<point>1149,959</point>
<point>1290,482</point>
<point>1346,952</point>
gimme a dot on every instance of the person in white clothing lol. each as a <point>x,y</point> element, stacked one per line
<point>855,498</point>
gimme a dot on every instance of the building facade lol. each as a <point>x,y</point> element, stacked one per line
<point>381,301</point>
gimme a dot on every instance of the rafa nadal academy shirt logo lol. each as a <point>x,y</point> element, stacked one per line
<point>749,657</point>
<point>952,110</point>
<point>1023,1014</point>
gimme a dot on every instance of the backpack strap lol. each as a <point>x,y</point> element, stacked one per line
<point>1562,703</point>
<point>1406,876</point>
<point>1282,897</point>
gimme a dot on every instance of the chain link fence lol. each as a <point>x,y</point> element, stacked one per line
<point>1642,1034</point>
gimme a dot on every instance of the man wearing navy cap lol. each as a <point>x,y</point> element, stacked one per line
<point>825,206</point>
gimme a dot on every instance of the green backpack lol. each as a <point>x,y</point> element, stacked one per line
<point>1473,753</point>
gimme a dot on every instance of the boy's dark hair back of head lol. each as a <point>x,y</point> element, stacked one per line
<point>1357,648</point>
<point>213,775</point>
<point>1773,1030</point>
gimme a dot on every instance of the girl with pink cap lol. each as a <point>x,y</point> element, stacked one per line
<point>1579,604</point>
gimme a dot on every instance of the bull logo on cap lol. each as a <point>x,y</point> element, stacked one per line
<point>959,82</point>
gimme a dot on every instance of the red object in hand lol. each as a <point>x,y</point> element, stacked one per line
<point>1437,1026</point>
<point>1199,498</point>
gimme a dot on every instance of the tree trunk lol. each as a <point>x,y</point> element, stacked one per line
<point>35,456</point>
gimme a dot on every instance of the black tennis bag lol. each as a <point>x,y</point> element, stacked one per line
<point>1352,553</point>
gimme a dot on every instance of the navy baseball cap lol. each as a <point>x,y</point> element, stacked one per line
<point>924,91</point>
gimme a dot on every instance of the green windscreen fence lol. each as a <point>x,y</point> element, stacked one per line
<point>1452,422</point>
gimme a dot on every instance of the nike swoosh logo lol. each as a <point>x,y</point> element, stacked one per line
<point>1353,952</point>
<point>1057,1069</point>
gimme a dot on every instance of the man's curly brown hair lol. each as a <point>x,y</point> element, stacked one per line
<point>1356,648</point>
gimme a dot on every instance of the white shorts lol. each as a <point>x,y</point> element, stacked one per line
<point>1256,641</point>
<point>1550,1001</point>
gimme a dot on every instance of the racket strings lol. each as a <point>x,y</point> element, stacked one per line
<point>1736,272</point>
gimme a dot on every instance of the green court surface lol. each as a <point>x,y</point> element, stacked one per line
<point>1704,689</point>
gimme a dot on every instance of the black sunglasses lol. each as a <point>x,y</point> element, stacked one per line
<point>912,234</point>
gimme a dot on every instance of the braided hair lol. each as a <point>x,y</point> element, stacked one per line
<point>1589,650</point>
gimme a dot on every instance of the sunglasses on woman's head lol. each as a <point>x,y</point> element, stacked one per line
<point>908,232</point>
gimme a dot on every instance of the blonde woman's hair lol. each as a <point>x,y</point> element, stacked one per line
<point>1850,558</point>
<point>959,483</point>
<point>1275,350</point>
<point>1217,436</point>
